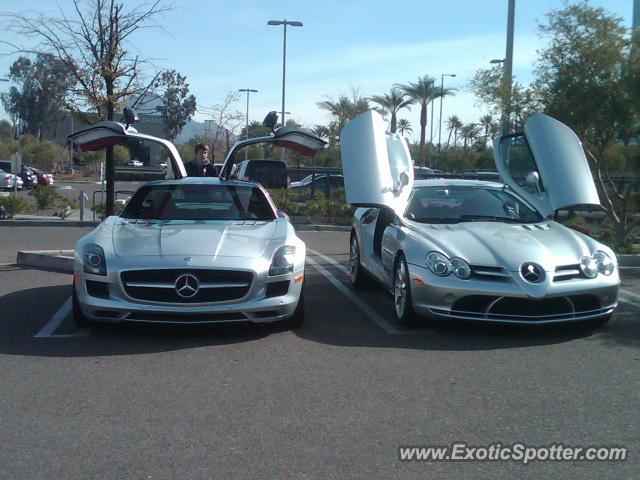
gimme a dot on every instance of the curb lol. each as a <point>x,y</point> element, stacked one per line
<point>629,260</point>
<point>52,260</point>
<point>47,223</point>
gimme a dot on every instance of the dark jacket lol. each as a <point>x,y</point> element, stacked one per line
<point>204,170</point>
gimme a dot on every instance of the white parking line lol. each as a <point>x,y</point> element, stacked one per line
<point>630,294</point>
<point>56,320</point>
<point>370,312</point>
<point>340,266</point>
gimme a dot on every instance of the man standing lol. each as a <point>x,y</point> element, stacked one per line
<point>201,166</point>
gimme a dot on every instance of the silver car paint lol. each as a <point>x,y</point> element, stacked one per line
<point>487,244</point>
<point>241,245</point>
<point>376,162</point>
<point>561,163</point>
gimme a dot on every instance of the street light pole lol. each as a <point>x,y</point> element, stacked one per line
<point>441,99</point>
<point>284,23</point>
<point>508,69</point>
<point>248,90</point>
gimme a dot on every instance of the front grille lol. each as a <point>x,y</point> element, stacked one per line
<point>277,289</point>
<point>496,274</point>
<point>185,317</point>
<point>524,309</point>
<point>568,272</point>
<point>97,289</point>
<point>159,285</point>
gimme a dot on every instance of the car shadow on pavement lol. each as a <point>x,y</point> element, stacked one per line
<point>26,312</point>
<point>333,320</point>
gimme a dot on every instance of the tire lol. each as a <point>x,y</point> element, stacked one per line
<point>78,317</point>
<point>402,302</point>
<point>297,319</point>
<point>359,278</point>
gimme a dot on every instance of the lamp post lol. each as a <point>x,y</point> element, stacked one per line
<point>249,91</point>
<point>284,23</point>
<point>441,99</point>
<point>508,69</point>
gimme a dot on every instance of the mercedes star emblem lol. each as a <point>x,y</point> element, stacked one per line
<point>531,272</point>
<point>187,285</point>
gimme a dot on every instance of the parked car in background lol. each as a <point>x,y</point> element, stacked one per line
<point>8,180</point>
<point>135,163</point>
<point>43,178</point>
<point>488,175</point>
<point>423,172</point>
<point>268,173</point>
<point>28,176</point>
<point>320,181</point>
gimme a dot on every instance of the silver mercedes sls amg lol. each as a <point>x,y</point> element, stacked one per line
<point>191,250</point>
<point>477,250</point>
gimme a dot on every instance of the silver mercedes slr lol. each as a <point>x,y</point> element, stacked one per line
<point>191,250</point>
<point>477,250</point>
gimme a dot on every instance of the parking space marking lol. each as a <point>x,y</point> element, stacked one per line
<point>56,320</point>
<point>630,294</point>
<point>625,297</point>
<point>330,260</point>
<point>370,312</point>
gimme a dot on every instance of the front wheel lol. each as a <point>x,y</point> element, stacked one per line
<point>403,304</point>
<point>357,275</point>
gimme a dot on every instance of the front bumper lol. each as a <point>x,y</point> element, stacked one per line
<point>114,305</point>
<point>511,300</point>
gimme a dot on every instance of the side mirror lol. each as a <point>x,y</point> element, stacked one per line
<point>130,116</point>
<point>271,120</point>
<point>403,181</point>
<point>533,181</point>
<point>282,214</point>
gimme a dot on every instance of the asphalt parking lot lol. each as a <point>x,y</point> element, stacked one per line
<point>332,400</point>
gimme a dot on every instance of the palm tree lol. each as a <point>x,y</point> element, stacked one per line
<point>322,131</point>
<point>453,124</point>
<point>345,108</point>
<point>342,109</point>
<point>391,103</point>
<point>469,133</point>
<point>486,121</point>
<point>424,92</point>
<point>404,126</point>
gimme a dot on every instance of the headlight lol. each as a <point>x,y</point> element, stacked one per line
<point>589,266</point>
<point>93,259</point>
<point>461,269</point>
<point>439,264</point>
<point>282,261</point>
<point>605,262</point>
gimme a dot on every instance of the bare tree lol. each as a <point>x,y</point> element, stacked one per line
<point>92,44</point>
<point>227,121</point>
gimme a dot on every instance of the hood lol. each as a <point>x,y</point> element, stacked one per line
<point>247,239</point>
<point>494,244</point>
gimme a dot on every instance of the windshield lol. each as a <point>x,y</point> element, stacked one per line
<point>199,202</point>
<point>453,204</point>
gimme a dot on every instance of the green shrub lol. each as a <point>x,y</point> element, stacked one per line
<point>63,207</point>
<point>10,205</point>
<point>45,196</point>
<point>100,209</point>
<point>579,224</point>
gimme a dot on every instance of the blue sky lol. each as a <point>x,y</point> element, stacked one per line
<point>370,45</point>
